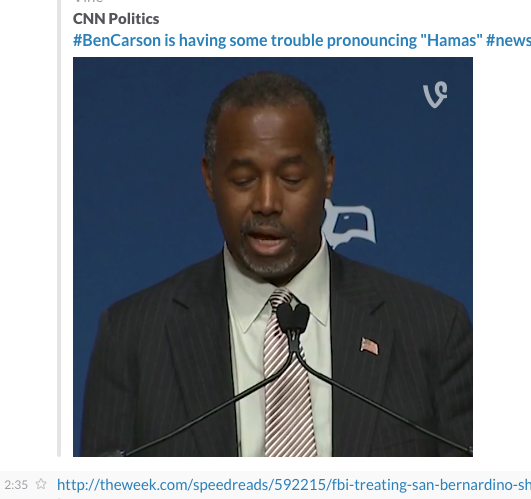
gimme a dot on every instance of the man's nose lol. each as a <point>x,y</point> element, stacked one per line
<point>268,197</point>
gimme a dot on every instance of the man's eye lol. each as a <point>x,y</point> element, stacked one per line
<point>242,182</point>
<point>292,181</point>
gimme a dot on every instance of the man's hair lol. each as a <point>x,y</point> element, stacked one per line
<point>268,88</point>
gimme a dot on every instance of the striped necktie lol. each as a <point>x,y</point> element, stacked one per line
<point>288,407</point>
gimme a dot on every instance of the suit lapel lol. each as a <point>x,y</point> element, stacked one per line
<point>354,301</point>
<point>199,336</point>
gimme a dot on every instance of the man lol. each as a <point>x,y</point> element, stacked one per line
<point>170,353</point>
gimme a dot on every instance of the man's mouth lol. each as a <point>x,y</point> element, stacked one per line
<point>267,242</point>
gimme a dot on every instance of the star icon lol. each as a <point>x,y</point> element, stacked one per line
<point>41,484</point>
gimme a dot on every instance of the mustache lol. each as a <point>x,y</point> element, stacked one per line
<point>268,223</point>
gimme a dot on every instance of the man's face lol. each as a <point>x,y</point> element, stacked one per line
<point>268,183</point>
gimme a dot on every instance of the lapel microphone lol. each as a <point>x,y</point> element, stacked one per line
<point>294,322</point>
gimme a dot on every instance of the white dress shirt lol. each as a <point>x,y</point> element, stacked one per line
<point>249,311</point>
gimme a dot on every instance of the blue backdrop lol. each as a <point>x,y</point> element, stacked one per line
<point>141,212</point>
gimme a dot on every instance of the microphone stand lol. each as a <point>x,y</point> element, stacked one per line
<point>294,333</point>
<point>185,427</point>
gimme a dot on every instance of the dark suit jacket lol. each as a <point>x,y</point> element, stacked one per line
<point>162,357</point>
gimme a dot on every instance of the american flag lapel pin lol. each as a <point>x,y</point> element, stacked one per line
<point>369,346</point>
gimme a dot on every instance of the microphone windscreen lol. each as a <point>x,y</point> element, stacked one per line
<point>285,316</point>
<point>301,315</point>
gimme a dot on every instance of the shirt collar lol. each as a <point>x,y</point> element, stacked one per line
<point>247,296</point>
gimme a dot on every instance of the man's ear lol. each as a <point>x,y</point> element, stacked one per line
<point>329,175</point>
<point>207,176</point>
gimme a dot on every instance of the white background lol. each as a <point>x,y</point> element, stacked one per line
<point>29,208</point>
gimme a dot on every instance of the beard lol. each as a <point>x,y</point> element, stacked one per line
<point>268,270</point>
<point>279,267</point>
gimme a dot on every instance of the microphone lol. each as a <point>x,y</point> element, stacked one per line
<point>295,325</point>
<point>301,315</point>
<point>285,317</point>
